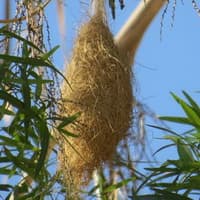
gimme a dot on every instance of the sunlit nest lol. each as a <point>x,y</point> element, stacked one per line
<point>100,89</point>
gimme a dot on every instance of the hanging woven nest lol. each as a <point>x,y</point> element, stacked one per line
<point>100,90</point>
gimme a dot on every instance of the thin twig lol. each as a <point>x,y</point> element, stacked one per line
<point>8,21</point>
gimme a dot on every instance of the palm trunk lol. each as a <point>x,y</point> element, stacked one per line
<point>130,35</point>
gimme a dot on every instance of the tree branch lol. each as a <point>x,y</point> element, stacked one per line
<point>130,35</point>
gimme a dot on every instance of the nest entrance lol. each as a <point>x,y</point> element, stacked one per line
<point>101,90</point>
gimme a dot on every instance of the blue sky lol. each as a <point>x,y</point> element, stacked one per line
<point>172,64</point>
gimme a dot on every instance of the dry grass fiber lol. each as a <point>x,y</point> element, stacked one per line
<point>101,91</point>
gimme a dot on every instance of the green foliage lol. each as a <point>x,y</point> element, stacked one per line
<point>112,6</point>
<point>177,179</point>
<point>181,176</point>
<point>24,141</point>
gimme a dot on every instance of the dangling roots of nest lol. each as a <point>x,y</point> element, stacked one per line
<point>100,90</point>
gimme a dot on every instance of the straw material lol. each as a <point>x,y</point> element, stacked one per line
<point>100,89</point>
